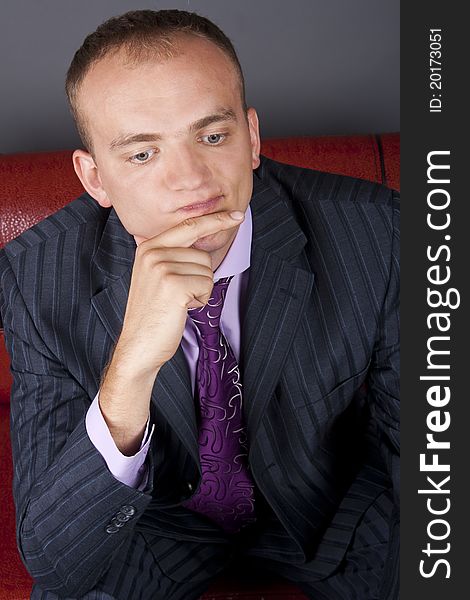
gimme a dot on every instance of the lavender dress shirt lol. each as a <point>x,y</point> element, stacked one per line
<point>132,470</point>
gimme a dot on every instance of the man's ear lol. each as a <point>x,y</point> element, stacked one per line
<point>253,125</point>
<point>87,171</point>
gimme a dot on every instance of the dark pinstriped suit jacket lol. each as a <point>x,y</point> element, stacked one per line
<point>319,361</point>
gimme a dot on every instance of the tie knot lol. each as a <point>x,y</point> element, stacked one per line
<point>207,318</point>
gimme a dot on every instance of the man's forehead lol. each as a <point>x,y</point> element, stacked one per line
<point>156,92</point>
<point>114,77</point>
<point>183,47</point>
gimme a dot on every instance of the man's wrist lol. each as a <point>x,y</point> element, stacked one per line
<point>126,426</point>
<point>124,402</point>
<point>128,362</point>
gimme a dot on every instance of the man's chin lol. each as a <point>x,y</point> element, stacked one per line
<point>215,246</point>
<point>209,243</point>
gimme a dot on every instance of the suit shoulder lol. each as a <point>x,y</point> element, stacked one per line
<point>73,219</point>
<point>299,184</point>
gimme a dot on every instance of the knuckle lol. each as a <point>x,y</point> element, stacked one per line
<point>189,223</point>
<point>209,282</point>
<point>162,267</point>
<point>204,257</point>
<point>147,253</point>
<point>150,256</point>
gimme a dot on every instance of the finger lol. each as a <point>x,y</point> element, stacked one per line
<point>188,269</point>
<point>198,289</point>
<point>190,230</point>
<point>182,255</point>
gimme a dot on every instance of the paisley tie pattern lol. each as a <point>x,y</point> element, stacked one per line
<point>226,492</point>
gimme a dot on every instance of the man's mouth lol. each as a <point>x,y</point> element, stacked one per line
<point>202,208</point>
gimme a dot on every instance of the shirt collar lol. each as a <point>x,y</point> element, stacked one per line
<point>238,256</point>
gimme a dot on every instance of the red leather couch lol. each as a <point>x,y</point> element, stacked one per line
<point>36,185</point>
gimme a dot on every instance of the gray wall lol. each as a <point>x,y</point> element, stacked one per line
<point>312,67</point>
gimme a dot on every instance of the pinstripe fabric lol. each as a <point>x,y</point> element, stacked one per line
<point>323,445</point>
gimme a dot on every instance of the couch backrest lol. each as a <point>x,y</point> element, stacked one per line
<point>36,185</point>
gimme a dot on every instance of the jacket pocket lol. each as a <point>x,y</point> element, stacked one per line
<point>339,396</point>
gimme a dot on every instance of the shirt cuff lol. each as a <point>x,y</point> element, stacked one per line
<point>130,470</point>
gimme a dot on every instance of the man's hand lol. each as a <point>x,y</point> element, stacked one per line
<point>168,277</point>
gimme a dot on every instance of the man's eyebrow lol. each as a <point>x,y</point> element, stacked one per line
<point>224,115</point>
<point>134,138</point>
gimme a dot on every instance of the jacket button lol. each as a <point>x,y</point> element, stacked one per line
<point>128,510</point>
<point>115,521</point>
<point>122,518</point>
<point>189,487</point>
<point>112,529</point>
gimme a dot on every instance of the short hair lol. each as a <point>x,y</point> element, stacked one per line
<point>141,34</point>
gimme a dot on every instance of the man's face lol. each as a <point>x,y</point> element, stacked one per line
<point>170,139</point>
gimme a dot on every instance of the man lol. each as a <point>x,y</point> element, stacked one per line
<point>157,441</point>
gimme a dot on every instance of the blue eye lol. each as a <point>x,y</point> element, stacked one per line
<point>142,157</point>
<point>214,138</point>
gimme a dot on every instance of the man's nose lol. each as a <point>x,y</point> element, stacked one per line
<point>186,169</point>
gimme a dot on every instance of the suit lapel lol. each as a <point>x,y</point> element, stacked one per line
<point>278,289</point>
<point>111,272</point>
<point>172,396</point>
<point>111,275</point>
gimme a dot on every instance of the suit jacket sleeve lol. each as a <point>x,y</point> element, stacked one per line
<point>64,494</point>
<point>385,365</point>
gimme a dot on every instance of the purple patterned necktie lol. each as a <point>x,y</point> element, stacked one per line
<point>226,492</point>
